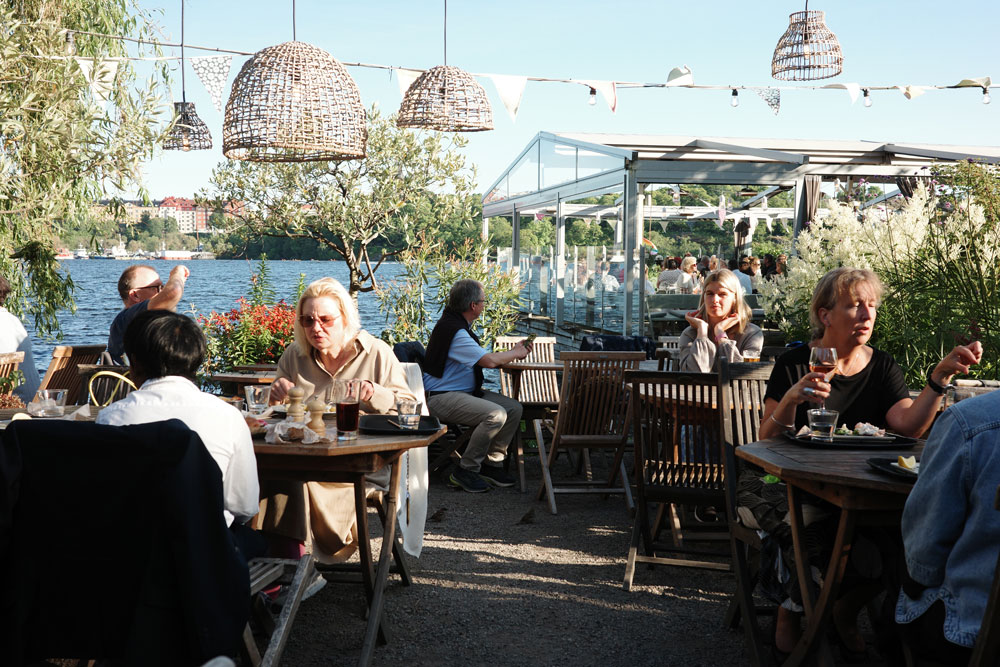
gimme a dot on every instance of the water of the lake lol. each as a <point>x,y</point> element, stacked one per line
<point>213,285</point>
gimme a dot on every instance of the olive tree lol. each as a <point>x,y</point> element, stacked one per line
<point>410,181</point>
<point>60,149</point>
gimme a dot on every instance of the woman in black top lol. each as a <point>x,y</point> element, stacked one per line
<point>867,386</point>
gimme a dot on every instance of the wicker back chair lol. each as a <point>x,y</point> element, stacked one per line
<point>593,413</point>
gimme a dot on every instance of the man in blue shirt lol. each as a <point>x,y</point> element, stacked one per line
<point>141,289</point>
<point>453,379</point>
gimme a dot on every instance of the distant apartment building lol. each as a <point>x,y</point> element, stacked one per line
<point>189,216</point>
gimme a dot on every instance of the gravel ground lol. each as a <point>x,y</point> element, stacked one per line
<point>501,580</point>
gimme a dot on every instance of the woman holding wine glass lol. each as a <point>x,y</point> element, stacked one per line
<point>329,345</point>
<point>720,326</point>
<point>864,385</point>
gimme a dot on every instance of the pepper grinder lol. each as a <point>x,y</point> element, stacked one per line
<point>316,409</point>
<point>296,412</point>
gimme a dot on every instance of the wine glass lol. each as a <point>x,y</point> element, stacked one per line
<point>823,360</point>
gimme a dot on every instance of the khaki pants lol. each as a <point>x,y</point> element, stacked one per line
<point>495,417</point>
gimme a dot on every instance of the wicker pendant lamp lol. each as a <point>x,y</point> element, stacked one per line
<point>446,98</point>
<point>294,102</point>
<point>808,50</point>
<point>189,132</point>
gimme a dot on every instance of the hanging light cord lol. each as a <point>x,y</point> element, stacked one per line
<point>293,22</point>
<point>446,32</point>
<point>183,82</point>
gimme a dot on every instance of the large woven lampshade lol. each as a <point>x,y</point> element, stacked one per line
<point>294,102</point>
<point>448,99</point>
<point>189,133</point>
<point>808,50</point>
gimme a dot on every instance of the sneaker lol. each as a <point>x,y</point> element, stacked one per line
<point>468,480</point>
<point>315,587</point>
<point>496,475</point>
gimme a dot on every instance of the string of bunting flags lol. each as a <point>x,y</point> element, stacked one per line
<point>213,72</point>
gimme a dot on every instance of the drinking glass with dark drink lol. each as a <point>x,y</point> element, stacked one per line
<point>823,360</point>
<point>345,395</point>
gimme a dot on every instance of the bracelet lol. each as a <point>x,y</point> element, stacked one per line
<point>721,338</point>
<point>934,386</point>
<point>790,427</point>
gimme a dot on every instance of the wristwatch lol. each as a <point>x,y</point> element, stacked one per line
<point>935,387</point>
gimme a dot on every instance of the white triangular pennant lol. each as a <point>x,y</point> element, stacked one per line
<point>213,72</point>
<point>767,221</point>
<point>510,89</point>
<point>405,79</point>
<point>853,89</point>
<point>101,80</point>
<point>912,91</point>
<point>680,76</point>
<point>721,212</point>
<point>607,90</point>
<point>980,82</point>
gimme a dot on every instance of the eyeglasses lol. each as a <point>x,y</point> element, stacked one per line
<point>325,321</point>
<point>158,286</point>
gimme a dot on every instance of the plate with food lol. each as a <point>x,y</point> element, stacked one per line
<point>904,467</point>
<point>862,436</point>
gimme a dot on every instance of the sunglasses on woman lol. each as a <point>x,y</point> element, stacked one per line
<point>325,321</point>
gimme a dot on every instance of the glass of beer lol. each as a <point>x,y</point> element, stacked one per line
<point>346,396</point>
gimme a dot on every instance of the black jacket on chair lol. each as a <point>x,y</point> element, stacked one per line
<point>113,545</point>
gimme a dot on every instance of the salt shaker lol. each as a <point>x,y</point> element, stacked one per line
<point>316,409</point>
<point>296,411</point>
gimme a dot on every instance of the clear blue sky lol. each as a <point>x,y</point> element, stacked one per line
<point>724,42</point>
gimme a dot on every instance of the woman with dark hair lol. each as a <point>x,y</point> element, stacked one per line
<point>720,326</point>
<point>14,338</point>
<point>867,386</point>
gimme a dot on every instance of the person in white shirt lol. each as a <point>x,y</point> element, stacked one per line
<point>165,350</point>
<point>14,338</point>
<point>668,277</point>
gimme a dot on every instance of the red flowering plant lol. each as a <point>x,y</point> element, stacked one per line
<point>256,331</point>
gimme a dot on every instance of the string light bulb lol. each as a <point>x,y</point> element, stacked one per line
<point>868,98</point>
<point>986,95</point>
<point>735,101</point>
<point>593,97</point>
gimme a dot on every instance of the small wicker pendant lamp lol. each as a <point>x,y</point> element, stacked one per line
<point>808,50</point>
<point>294,102</point>
<point>189,132</point>
<point>446,98</point>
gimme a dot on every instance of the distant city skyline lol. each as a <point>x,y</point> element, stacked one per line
<point>724,43</point>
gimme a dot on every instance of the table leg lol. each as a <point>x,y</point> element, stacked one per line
<point>818,611</point>
<point>376,622</point>
<point>364,541</point>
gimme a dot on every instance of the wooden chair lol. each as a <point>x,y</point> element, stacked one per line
<point>593,413</point>
<point>9,362</point>
<point>539,390</point>
<point>296,575</point>
<point>741,394</point>
<point>678,461</point>
<point>106,387</point>
<point>62,372</point>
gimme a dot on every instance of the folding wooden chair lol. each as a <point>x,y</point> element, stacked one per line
<point>62,372</point>
<point>9,362</point>
<point>539,390</point>
<point>741,392</point>
<point>678,461</point>
<point>593,413</point>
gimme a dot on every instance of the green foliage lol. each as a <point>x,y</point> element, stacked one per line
<point>11,381</point>
<point>413,301</point>
<point>59,148</point>
<point>409,181</point>
<point>262,292</point>
<point>939,258</point>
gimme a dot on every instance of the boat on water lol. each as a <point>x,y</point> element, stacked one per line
<point>64,253</point>
<point>115,252</point>
<point>81,253</point>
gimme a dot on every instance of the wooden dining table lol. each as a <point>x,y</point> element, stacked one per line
<point>242,379</point>
<point>864,496</point>
<point>349,462</point>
